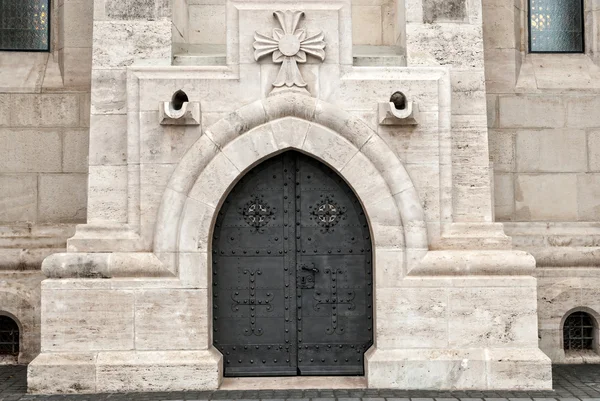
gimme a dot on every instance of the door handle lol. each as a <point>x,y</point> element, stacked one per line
<point>310,269</point>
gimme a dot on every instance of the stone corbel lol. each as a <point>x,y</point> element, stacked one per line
<point>179,111</point>
<point>398,111</point>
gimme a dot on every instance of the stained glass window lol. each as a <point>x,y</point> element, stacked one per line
<point>25,25</point>
<point>578,332</point>
<point>556,26</point>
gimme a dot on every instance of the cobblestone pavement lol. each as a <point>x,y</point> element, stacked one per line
<point>571,383</point>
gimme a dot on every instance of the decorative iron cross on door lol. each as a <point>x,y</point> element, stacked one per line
<point>335,300</point>
<point>257,213</point>
<point>252,301</point>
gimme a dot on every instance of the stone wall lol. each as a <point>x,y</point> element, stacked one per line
<point>544,135</point>
<point>44,120</point>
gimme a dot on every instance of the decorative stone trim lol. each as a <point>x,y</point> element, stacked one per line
<point>258,130</point>
<point>289,46</point>
<point>103,265</point>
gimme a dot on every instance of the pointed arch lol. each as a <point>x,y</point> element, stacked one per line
<point>244,138</point>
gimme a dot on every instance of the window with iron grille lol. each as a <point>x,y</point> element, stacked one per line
<point>9,336</point>
<point>25,25</point>
<point>578,332</point>
<point>556,26</point>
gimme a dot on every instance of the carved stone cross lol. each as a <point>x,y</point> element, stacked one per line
<point>289,46</point>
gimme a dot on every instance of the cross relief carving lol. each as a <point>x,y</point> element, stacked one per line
<point>289,46</point>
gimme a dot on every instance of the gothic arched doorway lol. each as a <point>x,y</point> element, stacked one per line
<point>292,273</point>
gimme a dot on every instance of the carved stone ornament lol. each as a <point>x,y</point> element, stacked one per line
<point>289,46</point>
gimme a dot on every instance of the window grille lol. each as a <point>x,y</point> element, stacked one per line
<point>556,26</point>
<point>9,336</point>
<point>578,332</point>
<point>25,25</point>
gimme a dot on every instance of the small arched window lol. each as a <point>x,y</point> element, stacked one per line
<point>25,25</point>
<point>556,26</point>
<point>9,336</point>
<point>579,332</point>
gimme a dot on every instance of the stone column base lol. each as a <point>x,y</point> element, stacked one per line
<point>125,371</point>
<point>459,369</point>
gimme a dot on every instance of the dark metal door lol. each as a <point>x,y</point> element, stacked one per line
<point>292,273</point>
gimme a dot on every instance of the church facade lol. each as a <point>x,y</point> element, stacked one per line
<point>199,194</point>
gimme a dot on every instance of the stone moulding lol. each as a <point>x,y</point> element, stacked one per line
<point>471,263</point>
<point>104,265</point>
<point>267,127</point>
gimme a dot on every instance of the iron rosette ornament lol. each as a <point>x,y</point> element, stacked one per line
<point>289,46</point>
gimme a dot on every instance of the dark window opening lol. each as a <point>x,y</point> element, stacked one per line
<point>9,336</point>
<point>556,26</point>
<point>578,332</point>
<point>25,25</point>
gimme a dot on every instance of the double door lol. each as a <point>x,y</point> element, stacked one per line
<point>292,273</point>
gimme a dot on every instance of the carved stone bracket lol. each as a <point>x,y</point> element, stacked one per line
<point>289,46</point>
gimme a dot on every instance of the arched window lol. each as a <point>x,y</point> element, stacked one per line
<point>556,26</point>
<point>9,336</point>
<point>578,332</point>
<point>25,25</point>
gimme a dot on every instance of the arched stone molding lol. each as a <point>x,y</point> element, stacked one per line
<point>265,128</point>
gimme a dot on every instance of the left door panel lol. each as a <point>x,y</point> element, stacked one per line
<point>254,273</point>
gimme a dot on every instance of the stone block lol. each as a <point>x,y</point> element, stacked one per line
<point>504,196</point>
<point>411,318</point>
<point>18,197</point>
<point>468,92</point>
<point>492,110</point>
<point>121,43</point>
<point>78,373</point>
<point>501,69</point>
<point>75,151</point>
<point>107,198</point>
<point>520,369</point>
<point>5,109</point>
<point>109,94</point>
<point>532,111</point>
<point>207,24</point>
<point>77,67</point>
<point>502,149</point>
<point>366,25</point>
<point>62,198</point>
<point>556,150</point>
<point>23,73</point>
<point>588,197</point>
<point>445,44</point>
<point>444,11</point>
<point>541,197</point>
<point>130,10</point>
<point>30,150</point>
<point>158,371</point>
<point>84,109</point>
<point>87,320</point>
<point>166,143</point>
<point>171,319</point>
<point>47,110</point>
<point>594,150</point>
<point>499,26</point>
<point>492,317</point>
<point>582,112</point>
<point>412,369</point>
<point>108,139</point>
<point>77,23</point>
